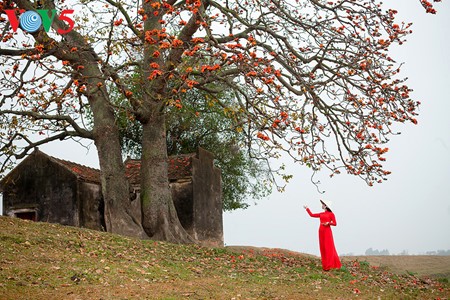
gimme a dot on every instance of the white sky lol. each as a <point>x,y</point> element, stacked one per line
<point>410,211</point>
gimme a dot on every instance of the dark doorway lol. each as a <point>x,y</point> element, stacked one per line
<point>27,215</point>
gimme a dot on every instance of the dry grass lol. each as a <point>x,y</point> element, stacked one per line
<point>434,266</point>
<point>49,261</point>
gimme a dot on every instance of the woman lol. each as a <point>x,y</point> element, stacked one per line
<point>330,258</point>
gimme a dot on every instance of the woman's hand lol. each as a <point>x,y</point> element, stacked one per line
<point>305,207</point>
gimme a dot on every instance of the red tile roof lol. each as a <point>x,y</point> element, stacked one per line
<point>133,170</point>
<point>82,172</point>
<point>180,166</point>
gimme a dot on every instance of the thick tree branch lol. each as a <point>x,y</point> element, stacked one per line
<point>185,36</point>
<point>81,132</point>
<point>60,136</point>
<point>17,52</point>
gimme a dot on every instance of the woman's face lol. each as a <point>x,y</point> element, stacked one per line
<point>324,207</point>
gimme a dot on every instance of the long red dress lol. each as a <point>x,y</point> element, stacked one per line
<point>330,258</point>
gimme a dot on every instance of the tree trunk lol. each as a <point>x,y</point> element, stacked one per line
<point>119,217</point>
<point>159,217</point>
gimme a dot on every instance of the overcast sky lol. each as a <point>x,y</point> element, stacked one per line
<point>410,211</point>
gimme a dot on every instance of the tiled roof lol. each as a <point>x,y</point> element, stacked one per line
<point>180,166</point>
<point>133,170</point>
<point>82,172</point>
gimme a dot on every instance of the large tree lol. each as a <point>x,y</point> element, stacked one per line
<point>311,78</point>
<point>201,123</point>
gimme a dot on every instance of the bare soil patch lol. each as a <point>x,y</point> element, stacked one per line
<point>421,265</point>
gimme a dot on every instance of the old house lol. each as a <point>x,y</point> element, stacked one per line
<point>48,189</point>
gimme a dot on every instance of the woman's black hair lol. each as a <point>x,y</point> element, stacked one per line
<point>326,207</point>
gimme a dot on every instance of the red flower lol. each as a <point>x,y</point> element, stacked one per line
<point>128,94</point>
<point>154,65</point>
<point>262,136</point>
<point>154,74</point>
<point>177,43</point>
<point>197,40</point>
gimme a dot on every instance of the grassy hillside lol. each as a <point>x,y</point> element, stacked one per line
<point>49,261</point>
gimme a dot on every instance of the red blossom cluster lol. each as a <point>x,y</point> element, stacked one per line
<point>428,6</point>
<point>262,136</point>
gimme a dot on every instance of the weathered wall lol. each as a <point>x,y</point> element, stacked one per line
<point>135,208</point>
<point>207,195</point>
<point>91,206</point>
<point>37,183</point>
<point>181,190</point>
<point>182,199</point>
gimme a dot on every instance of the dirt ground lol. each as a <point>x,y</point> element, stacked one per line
<point>422,265</point>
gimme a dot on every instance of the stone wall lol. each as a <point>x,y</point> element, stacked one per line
<point>91,206</point>
<point>207,195</point>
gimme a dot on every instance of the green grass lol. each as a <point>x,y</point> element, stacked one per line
<point>49,261</point>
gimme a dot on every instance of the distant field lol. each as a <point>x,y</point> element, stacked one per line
<point>421,265</point>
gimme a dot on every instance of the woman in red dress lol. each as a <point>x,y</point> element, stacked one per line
<point>330,258</point>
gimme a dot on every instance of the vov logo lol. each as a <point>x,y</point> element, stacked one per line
<point>31,21</point>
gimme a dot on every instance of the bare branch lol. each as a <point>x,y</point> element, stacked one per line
<point>37,116</point>
<point>126,16</point>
